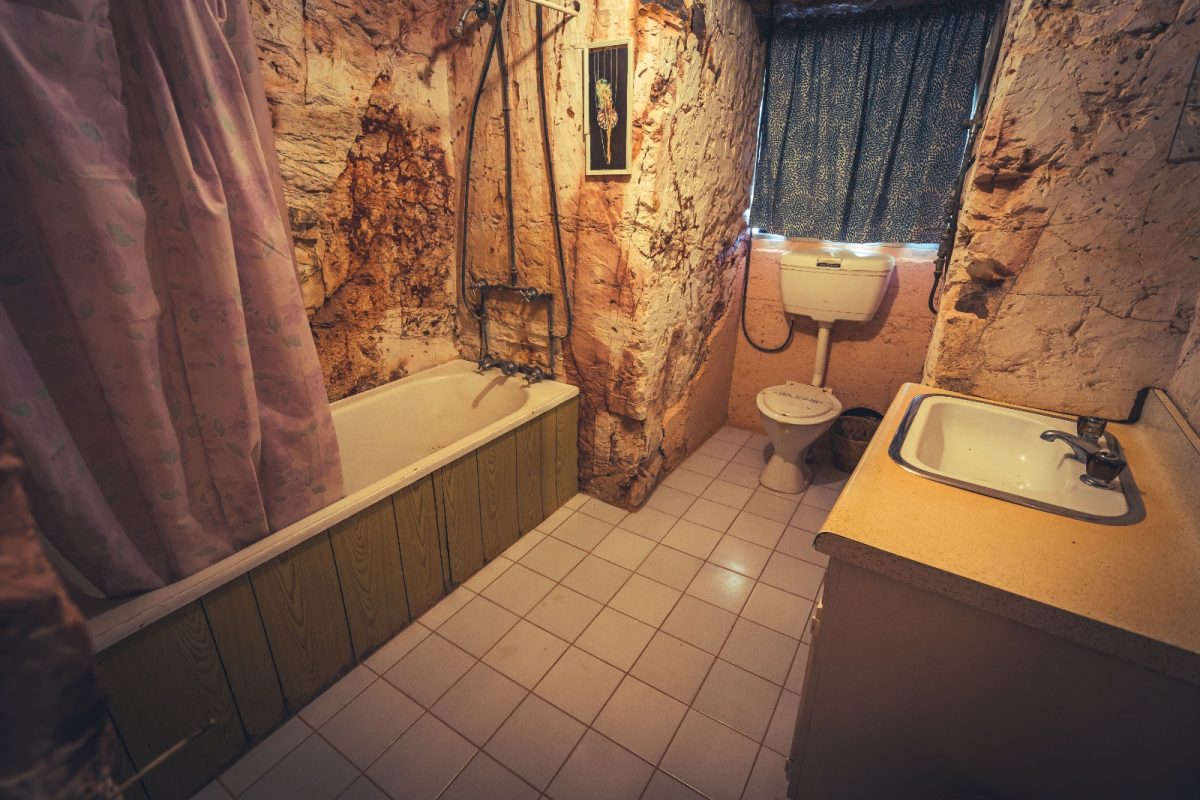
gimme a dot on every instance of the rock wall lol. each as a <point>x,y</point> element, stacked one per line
<point>652,258</point>
<point>1077,267</point>
<point>868,361</point>
<point>359,99</point>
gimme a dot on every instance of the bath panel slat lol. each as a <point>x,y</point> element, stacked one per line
<point>548,430</point>
<point>164,684</point>
<point>529,478</point>
<point>301,606</point>
<point>420,549</point>
<point>241,640</point>
<point>567,454</point>
<point>366,549</point>
<point>457,489</point>
<point>498,494</point>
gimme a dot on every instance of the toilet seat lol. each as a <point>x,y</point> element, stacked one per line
<point>799,404</point>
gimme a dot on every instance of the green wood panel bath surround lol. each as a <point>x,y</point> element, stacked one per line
<point>253,652</point>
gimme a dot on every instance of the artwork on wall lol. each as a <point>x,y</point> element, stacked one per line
<point>607,86</point>
<point>1185,145</point>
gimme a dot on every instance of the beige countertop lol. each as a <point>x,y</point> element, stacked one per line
<point>1132,591</point>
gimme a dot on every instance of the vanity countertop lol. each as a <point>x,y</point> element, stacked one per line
<point>1132,591</point>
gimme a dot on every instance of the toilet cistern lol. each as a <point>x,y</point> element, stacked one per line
<point>825,285</point>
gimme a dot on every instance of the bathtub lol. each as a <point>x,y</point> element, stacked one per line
<point>390,437</point>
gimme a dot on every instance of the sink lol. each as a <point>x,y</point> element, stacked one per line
<point>998,451</point>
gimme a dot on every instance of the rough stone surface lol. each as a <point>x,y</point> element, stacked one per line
<point>1095,239</point>
<point>653,258</point>
<point>358,95</point>
<point>867,361</point>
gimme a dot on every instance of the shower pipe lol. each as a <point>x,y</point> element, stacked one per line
<point>496,47</point>
<point>750,245</point>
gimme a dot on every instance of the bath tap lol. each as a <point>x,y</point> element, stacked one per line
<point>509,368</point>
<point>487,362</point>
<point>1101,465</point>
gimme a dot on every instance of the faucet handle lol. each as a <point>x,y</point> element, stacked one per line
<point>1103,467</point>
<point>1090,428</point>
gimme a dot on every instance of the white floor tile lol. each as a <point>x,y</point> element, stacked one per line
<point>519,589</point>
<point>670,501</point>
<point>485,778</point>
<point>446,608</point>
<point>645,600</point>
<point>535,741</point>
<point>722,587</point>
<point>579,684</point>
<point>490,571</point>
<point>778,610</point>
<point>564,612</point>
<point>771,506</point>
<point>728,494</point>
<point>821,496</point>
<point>615,638</point>
<point>553,558</point>
<point>429,670</point>
<point>363,789</point>
<point>400,645</point>
<point>641,718</point>
<point>370,723</point>
<point>692,538</point>
<point>624,548</point>
<point>704,464</point>
<point>550,523</point>
<point>314,771</point>
<point>740,556</point>
<point>597,578</point>
<point>266,754</point>
<point>672,567</point>
<point>699,623</point>
<point>768,779</point>
<point>687,481</point>
<point>523,545</point>
<point>673,666</point>
<point>664,787</point>
<point>783,723</point>
<point>422,762</point>
<point>478,704</point>
<point>740,474</point>
<point>711,757</point>
<point>330,701</point>
<point>760,650</point>
<point>525,654</point>
<point>809,518</point>
<point>740,699</point>
<point>478,626</point>
<point>798,543</point>
<point>718,449</point>
<point>603,511</point>
<point>600,770</point>
<point>576,501</point>
<point>728,433</point>
<point>711,514</point>
<point>649,522</point>
<point>583,531</point>
<point>793,575</point>
<point>759,530</point>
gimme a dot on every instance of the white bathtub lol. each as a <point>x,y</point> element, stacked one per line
<point>390,437</point>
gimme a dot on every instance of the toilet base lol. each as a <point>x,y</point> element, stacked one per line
<point>789,477</point>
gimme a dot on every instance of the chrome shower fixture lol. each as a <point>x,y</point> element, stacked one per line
<point>482,11</point>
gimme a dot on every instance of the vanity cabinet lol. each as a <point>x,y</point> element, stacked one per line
<point>912,694</point>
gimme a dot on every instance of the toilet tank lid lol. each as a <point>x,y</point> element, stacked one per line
<point>846,260</point>
<point>802,402</point>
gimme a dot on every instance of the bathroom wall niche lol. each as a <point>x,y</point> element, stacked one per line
<point>607,86</point>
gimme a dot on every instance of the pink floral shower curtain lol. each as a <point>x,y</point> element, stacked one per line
<point>156,364</point>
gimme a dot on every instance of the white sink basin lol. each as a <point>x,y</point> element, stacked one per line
<point>998,451</point>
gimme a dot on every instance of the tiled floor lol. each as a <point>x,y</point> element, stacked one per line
<point>606,655</point>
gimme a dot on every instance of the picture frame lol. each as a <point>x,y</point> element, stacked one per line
<point>607,93</point>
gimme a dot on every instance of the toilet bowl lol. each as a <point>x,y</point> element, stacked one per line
<point>794,416</point>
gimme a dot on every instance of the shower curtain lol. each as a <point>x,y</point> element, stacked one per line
<point>864,121</point>
<point>156,365</point>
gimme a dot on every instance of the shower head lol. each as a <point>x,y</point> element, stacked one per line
<point>481,9</point>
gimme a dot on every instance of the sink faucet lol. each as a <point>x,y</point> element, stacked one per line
<point>1101,465</point>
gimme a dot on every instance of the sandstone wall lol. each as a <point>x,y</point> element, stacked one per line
<point>867,361</point>
<point>1077,268</point>
<point>359,99</point>
<point>652,258</point>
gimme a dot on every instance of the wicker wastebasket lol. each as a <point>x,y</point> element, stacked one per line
<point>850,434</point>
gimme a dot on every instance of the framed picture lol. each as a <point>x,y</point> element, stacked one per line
<point>607,86</point>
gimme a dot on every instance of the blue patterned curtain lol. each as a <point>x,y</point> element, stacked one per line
<point>863,124</point>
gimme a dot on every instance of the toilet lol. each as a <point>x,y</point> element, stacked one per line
<point>826,285</point>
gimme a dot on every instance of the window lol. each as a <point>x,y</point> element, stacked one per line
<point>864,121</point>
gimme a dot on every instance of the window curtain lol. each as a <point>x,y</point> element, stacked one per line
<point>863,122</point>
<point>156,365</point>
